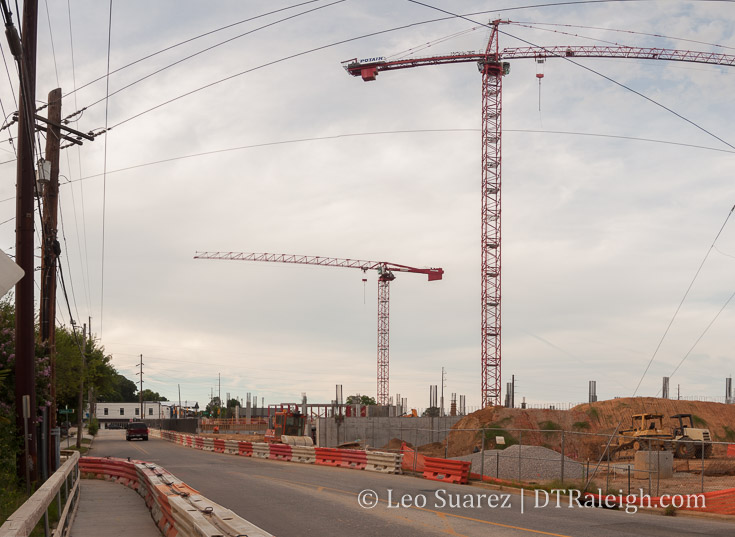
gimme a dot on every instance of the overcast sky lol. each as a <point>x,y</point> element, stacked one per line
<point>601,236</point>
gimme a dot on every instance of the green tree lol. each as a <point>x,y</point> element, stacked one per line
<point>150,395</point>
<point>362,400</point>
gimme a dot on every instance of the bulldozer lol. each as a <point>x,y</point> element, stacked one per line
<point>646,432</point>
<point>690,442</point>
<point>288,428</point>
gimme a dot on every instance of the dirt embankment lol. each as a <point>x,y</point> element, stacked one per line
<point>583,422</point>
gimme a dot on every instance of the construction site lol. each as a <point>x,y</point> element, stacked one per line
<point>534,203</point>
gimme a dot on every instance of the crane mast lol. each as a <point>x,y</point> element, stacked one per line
<point>386,275</point>
<point>492,67</point>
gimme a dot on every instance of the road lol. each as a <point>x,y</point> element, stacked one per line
<point>290,499</point>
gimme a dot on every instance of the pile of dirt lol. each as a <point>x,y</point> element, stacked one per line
<point>601,417</point>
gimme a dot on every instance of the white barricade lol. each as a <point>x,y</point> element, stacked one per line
<point>261,450</point>
<point>303,454</point>
<point>386,463</point>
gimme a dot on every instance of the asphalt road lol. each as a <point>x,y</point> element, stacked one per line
<point>291,499</point>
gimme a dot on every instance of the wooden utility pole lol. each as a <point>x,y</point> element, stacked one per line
<point>25,374</point>
<point>51,250</point>
<point>140,394</point>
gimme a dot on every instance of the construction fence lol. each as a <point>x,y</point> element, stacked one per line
<point>609,463</point>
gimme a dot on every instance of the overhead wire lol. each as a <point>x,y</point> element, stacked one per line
<point>704,332</point>
<point>377,133</point>
<point>180,43</point>
<point>104,177</point>
<point>707,43</point>
<point>681,302</point>
<point>83,253</point>
<point>212,47</point>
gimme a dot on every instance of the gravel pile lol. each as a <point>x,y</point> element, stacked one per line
<point>536,464</point>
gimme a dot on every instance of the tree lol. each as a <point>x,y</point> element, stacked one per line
<point>363,400</point>
<point>150,395</point>
<point>213,406</point>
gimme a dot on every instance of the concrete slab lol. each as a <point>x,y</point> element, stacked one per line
<point>112,510</point>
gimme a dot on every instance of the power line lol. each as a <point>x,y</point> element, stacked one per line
<point>104,183</point>
<point>157,71</point>
<point>628,32</point>
<point>84,263</point>
<point>188,41</point>
<point>702,335</point>
<point>686,293</point>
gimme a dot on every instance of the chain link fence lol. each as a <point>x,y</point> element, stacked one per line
<point>613,464</point>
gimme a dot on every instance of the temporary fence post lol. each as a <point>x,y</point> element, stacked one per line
<point>562,457</point>
<point>446,444</point>
<point>497,464</point>
<point>607,477</point>
<point>702,465</point>
<point>648,463</point>
<point>482,455</point>
<point>520,448</point>
<point>628,467</point>
<point>658,470</point>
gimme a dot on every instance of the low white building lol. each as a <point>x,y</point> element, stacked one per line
<point>125,412</point>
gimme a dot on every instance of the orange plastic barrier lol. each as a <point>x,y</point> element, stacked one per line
<point>352,458</point>
<point>245,448</point>
<point>447,470</point>
<point>731,450</point>
<point>199,442</point>
<point>219,445</point>
<point>328,456</point>
<point>280,452</point>
<point>412,460</point>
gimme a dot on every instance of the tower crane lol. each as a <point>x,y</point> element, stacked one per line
<point>386,275</point>
<point>492,66</point>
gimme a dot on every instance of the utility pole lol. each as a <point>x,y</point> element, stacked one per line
<point>178,414</point>
<point>25,374</point>
<point>140,395</point>
<point>51,250</point>
<point>219,393</point>
<point>80,402</point>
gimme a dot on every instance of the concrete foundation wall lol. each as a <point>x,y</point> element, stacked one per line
<point>377,432</point>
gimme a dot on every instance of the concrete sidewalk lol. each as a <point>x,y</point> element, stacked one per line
<point>112,510</point>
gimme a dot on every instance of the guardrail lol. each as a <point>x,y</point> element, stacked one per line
<point>176,508</point>
<point>22,521</point>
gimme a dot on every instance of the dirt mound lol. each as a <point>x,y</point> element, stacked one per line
<point>542,427</point>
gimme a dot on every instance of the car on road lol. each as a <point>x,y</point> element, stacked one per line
<point>136,429</point>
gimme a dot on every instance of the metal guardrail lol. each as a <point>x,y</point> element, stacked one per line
<point>65,481</point>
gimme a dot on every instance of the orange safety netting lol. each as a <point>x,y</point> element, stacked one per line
<point>412,460</point>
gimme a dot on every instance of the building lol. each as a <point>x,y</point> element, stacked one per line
<point>125,412</point>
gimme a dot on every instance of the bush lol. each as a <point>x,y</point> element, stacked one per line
<point>580,425</point>
<point>93,426</point>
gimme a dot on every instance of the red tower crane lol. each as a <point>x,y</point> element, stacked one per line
<point>385,276</point>
<point>492,68</point>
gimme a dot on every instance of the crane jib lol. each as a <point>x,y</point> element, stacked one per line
<point>368,69</point>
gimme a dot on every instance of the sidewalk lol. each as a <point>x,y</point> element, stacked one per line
<point>112,510</point>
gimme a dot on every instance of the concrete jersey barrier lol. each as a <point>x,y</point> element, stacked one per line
<point>371,461</point>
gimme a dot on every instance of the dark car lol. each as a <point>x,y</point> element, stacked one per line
<point>136,430</point>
